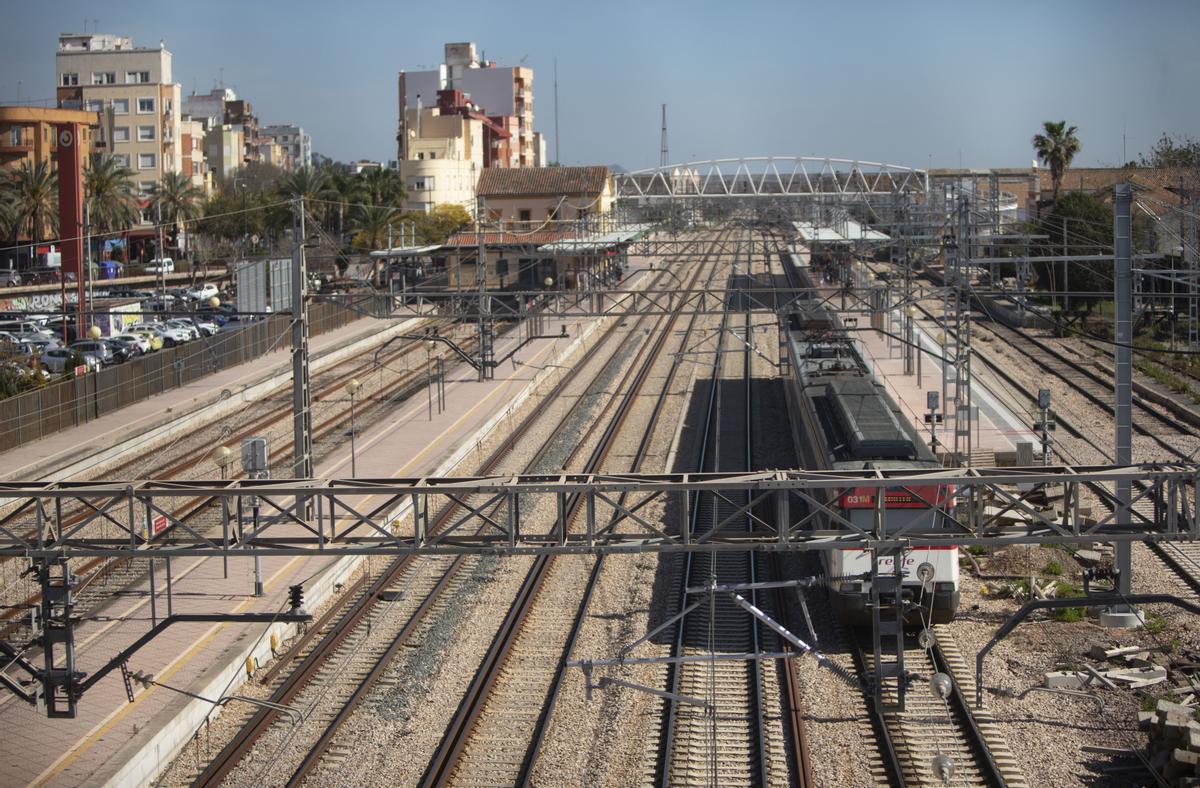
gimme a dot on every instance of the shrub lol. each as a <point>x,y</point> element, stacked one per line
<point>1052,568</point>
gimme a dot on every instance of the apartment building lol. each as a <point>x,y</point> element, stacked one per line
<point>499,92</point>
<point>208,108</point>
<point>445,156</point>
<point>296,144</point>
<point>27,134</point>
<point>192,152</point>
<point>223,150</point>
<point>133,90</point>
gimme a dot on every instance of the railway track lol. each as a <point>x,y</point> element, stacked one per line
<point>726,742</point>
<point>113,574</point>
<point>323,753</point>
<point>936,740</point>
<point>496,734</point>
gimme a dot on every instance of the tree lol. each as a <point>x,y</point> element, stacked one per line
<point>371,224</point>
<point>112,203</point>
<point>312,185</point>
<point>442,221</point>
<point>34,192</point>
<point>346,190</point>
<point>1057,147</point>
<point>176,200</point>
<point>382,186</point>
<point>1172,152</point>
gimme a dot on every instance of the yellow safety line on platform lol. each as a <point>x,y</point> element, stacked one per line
<point>102,727</point>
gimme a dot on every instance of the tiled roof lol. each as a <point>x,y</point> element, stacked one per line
<point>541,181</point>
<point>1156,183</point>
<point>492,238</point>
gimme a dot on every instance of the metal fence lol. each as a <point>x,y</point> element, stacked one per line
<point>74,401</point>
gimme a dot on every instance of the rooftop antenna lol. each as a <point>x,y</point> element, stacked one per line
<point>557,150</point>
<point>662,154</point>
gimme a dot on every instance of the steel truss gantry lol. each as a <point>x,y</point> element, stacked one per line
<point>771,176</point>
<point>632,513</point>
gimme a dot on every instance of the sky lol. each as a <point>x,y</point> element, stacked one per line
<point>912,83</point>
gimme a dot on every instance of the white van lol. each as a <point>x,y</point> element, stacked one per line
<point>161,265</point>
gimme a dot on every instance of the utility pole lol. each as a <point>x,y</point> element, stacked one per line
<point>302,452</point>
<point>1123,615</point>
<point>557,150</point>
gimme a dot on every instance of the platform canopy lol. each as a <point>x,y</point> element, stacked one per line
<point>591,243</point>
<point>843,231</point>
<point>406,251</point>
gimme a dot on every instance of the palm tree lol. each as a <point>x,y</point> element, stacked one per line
<point>177,200</point>
<point>382,186</point>
<point>312,185</point>
<point>371,223</point>
<point>112,203</point>
<point>1057,147</point>
<point>34,192</point>
<point>346,190</point>
<point>8,218</point>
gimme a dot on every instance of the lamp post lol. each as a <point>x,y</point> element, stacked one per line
<point>220,457</point>
<point>910,337</point>
<point>352,388</point>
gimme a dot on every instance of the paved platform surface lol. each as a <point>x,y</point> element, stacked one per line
<point>996,427</point>
<point>26,462</point>
<point>109,730</point>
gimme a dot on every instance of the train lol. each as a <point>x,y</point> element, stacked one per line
<point>844,419</point>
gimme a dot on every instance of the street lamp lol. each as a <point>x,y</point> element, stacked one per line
<point>214,302</point>
<point>220,456</point>
<point>94,332</point>
<point>352,388</point>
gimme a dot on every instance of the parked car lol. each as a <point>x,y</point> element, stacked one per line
<point>125,292</point>
<point>171,336</point>
<point>24,327</point>
<point>121,351</point>
<point>236,323</point>
<point>161,265</point>
<point>185,325</point>
<point>96,348</point>
<point>153,338</point>
<point>206,327</point>
<point>57,359</point>
<point>203,292</point>
<point>136,341</point>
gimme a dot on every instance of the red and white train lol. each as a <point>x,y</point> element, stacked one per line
<point>843,419</point>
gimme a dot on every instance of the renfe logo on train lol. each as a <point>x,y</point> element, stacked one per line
<point>893,498</point>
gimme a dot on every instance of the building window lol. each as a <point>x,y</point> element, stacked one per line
<point>145,187</point>
<point>502,268</point>
<point>136,77</point>
<point>70,80</point>
<point>432,155</point>
<point>145,106</point>
<point>145,133</point>
<point>93,105</point>
<point>122,158</point>
<point>421,156</point>
<point>104,77</point>
<point>120,106</point>
<point>120,134</point>
<point>146,161</point>
<point>15,134</point>
<point>526,216</point>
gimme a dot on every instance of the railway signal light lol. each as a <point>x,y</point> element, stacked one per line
<point>296,599</point>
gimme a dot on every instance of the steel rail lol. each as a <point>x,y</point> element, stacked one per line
<point>236,750</point>
<point>577,626</point>
<point>455,740</point>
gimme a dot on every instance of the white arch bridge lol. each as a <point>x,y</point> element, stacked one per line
<point>771,176</point>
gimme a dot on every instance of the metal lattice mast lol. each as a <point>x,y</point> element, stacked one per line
<point>663,159</point>
<point>961,317</point>
<point>1191,255</point>
<point>1123,393</point>
<point>302,464</point>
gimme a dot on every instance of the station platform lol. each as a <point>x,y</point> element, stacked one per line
<point>995,428</point>
<point>47,457</point>
<point>115,742</point>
